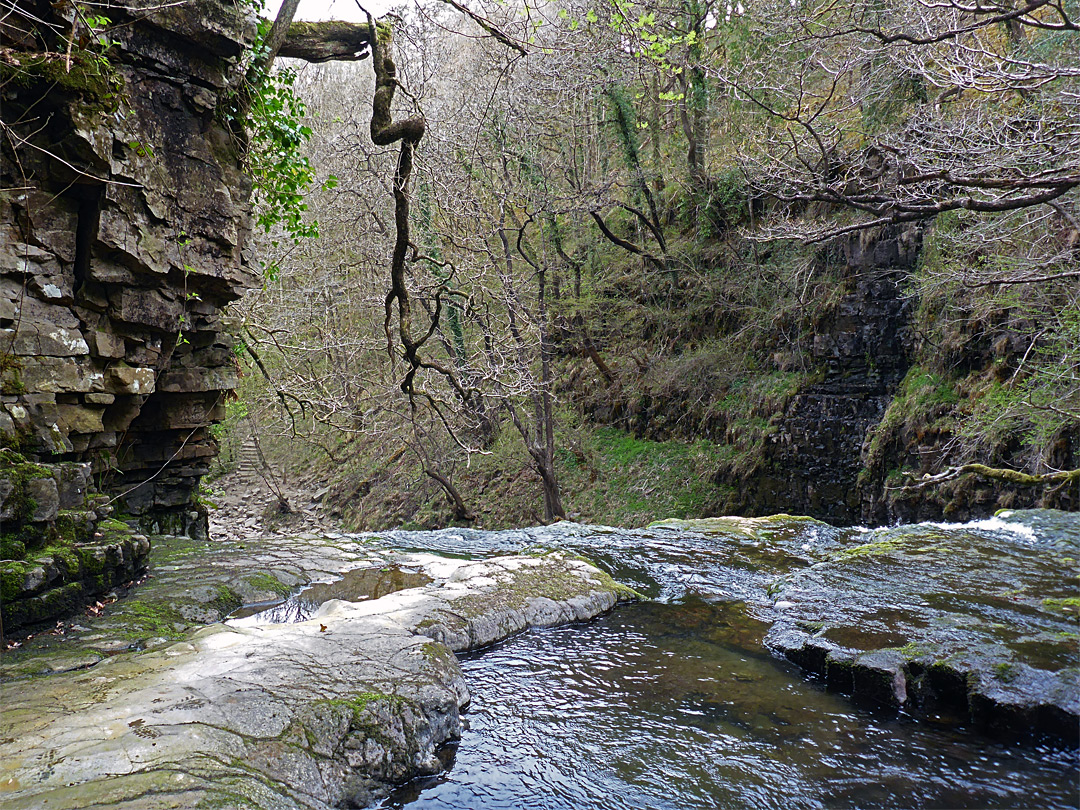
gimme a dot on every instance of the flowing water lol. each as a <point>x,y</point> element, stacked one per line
<point>674,703</point>
<point>636,710</point>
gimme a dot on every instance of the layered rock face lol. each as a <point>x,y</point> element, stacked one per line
<point>864,346</point>
<point>123,235</point>
<point>123,223</point>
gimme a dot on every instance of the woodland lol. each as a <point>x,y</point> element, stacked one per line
<point>769,307</point>
<point>528,261</point>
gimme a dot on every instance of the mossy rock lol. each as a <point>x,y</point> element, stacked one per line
<point>44,607</point>
<point>976,621</point>
<point>12,577</point>
<point>151,619</point>
<point>87,74</point>
<point>75,526</point>
<point>19,505</point>
<point>12,547</point>
<point>267,582</point>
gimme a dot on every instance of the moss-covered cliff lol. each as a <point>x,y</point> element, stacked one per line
<point>123,232</point>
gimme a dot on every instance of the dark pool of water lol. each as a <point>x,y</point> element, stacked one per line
<point>635,710</point>
<point>675,704</point>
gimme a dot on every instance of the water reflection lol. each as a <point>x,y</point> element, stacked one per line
<point>642,709</point>
<point>357,585</point>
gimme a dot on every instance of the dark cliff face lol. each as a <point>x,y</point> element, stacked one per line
<point>847,449</point>
<point>839,407</point>
<point>122,234</point>
<point>811,464</point>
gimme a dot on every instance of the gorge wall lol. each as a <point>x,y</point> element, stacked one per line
<point>848,448</point>
<point>874,403</point>
<point>863,347</point>
<point>123,230</point>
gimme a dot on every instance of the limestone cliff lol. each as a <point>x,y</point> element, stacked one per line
<point>123,229</point>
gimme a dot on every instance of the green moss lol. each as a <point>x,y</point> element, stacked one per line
<point>225,600</point>
<point>8,456</point>
<point>1005,671</point>
<point>60,601</point>
<point>358,704</point>
<point>111,526</point>
<point>869,550</point>
<point>437,653</point>
<point>11,547</point>
<point>11,372</point>
<point>12,576</point>
<point>384,33</point>
<point>922,396</point>
<point>556,584</point>
<point>64,556</point>
<point>913,650</point>
<point>1070,605</point>
<point>264,581</point>
<point>87,74</point>
<point>152,619</point>
<point>93,563</point>
<point>839,672</point>
<point>72,527</point>
<point>19,473</point>
<point>226,800</point>
<point>46,607</point>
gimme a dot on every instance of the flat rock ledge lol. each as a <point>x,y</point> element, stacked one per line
<point>323,713</point>
<point>956,627</point>
<point>974,624</point>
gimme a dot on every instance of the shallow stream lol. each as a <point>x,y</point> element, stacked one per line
<point>675,703</point>
<point>636,710</point>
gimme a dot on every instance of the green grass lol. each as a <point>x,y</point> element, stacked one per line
<point>626,481</point>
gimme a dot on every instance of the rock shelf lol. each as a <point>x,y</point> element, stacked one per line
<point>322,713</point>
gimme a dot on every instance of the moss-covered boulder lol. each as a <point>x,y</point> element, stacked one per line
<point>56,550</point>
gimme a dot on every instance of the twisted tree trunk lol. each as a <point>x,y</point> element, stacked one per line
<point>385,131</point>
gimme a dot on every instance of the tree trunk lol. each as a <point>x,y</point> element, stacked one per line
<point>461,511</point>
<point>553,507</point>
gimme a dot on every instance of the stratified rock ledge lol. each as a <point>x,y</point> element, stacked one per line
<point>323,713</point>
<point>966,627</point>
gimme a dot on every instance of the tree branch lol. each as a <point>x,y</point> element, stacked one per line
<point>488,26</point>
<point>327,41</point>
<point>1059,478</point>
<point>629,246</point>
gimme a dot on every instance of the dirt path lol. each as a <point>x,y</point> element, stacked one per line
<point>247,501</point>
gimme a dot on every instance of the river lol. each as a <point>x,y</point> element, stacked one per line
<point>674,703</point>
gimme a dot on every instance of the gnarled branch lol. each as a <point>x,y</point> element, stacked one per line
<point>1060,478</point>
<point>327,41</point>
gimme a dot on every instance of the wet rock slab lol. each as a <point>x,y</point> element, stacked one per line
<point>190,583</point>
<point>976,623</point>
<point>313,714</point>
